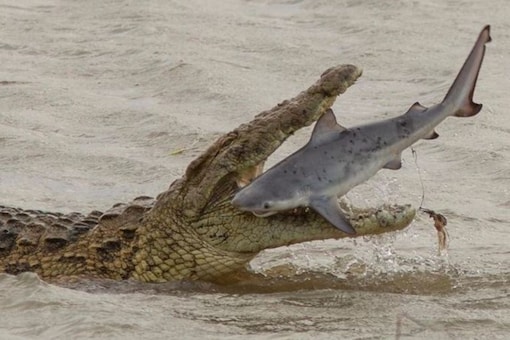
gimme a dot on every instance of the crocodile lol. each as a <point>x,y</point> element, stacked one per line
<point>191,231</point>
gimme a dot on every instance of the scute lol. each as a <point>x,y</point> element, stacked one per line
<point>27,230</point>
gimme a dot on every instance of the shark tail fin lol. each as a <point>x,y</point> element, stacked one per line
<point>469,110</point>
<point>460,95</point>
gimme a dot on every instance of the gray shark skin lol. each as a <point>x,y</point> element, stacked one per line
<point>336,158</point>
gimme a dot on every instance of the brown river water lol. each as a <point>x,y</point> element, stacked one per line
<point>103,101</point>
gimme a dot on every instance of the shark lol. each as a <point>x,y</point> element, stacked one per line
<point>336,158</point>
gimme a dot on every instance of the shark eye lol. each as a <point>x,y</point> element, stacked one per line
<point>267,205</point>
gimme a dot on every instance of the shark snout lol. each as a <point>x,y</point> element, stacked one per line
<point>236,202</point>
<point>247,200</point>
<point>247,203</point>
<point>242,201</point>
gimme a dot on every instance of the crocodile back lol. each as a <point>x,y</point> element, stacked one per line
<point>26,233</point>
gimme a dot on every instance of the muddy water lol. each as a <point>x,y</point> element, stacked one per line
<point>101,101</point>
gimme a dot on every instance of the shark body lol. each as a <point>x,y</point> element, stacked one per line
<point>336,158</point>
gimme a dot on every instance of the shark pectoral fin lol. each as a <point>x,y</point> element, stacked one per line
<point>324,126</point>
<point>329,208</point>
<point>432,135</point>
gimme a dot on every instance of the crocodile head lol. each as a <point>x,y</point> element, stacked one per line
<point>194,232</point>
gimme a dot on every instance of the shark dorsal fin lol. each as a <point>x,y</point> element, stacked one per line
<point>416,107</point>
<point>325,125</point>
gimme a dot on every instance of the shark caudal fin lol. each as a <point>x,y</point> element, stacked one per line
<point>460,95</point>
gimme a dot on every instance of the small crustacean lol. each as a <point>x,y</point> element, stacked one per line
<point>440,223</point>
